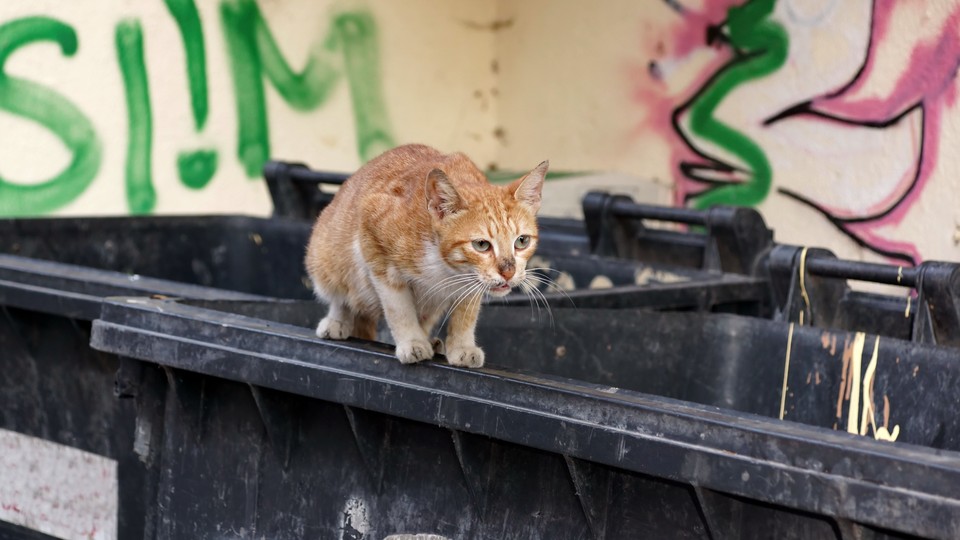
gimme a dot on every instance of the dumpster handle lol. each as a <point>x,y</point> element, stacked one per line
<point>863,271</point>
<point>731,239</point>
<point>932,307</point>
<point>629,209</point>
<point>293,189</point>
<point>309,176</point>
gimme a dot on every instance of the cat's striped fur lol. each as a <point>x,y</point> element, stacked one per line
<point>414,234</point>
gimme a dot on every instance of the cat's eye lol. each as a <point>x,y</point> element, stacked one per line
<point>481,245</point>
<point>522,242</point>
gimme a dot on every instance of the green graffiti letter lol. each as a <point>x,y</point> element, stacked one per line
<point>141,197</point>
<point>196,167</point>
<point>254,54</point>
<point>357,34</point>
<point>762,49</point>
<point>191,32</point>
<point>52,111</point>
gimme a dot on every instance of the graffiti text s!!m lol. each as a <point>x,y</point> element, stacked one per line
<point>54,112</point>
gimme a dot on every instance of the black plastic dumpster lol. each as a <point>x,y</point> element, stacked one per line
<point>54,274</point>
<point>615,424</point>
<point>52,280</point>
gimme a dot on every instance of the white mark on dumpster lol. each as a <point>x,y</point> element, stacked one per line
<point>356,519</point>
<point>142,439</point>
<point>601,282</point>
<point>745,476</point>
<point>646,276</point>
<point>56,489</point>
<point>565,281</point>
<point>415,537</point>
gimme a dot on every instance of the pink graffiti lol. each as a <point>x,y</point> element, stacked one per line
<point>674,47</point>
<point>927,82</point>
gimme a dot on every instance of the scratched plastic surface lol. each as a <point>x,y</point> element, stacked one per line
<point>607,424</point>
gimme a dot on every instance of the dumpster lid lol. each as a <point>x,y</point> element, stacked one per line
<point>77,291</point>
<point>897,486</point>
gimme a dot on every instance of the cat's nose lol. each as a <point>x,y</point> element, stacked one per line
<point>507,269</point>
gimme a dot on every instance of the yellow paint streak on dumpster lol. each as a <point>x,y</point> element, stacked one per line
<point>786,372</point>
<point>881,433</point>
<point>854,382</point>
<point>803,287</point>
<point>868,405</point>
<point>844,378</point>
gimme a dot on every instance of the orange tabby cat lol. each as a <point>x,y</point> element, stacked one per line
<point>414,234</point>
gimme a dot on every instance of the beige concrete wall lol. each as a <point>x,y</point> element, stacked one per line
<point>837,123</point>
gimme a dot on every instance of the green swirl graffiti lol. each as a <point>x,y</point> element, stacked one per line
<point>762,47</point>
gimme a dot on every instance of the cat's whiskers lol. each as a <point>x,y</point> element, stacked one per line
<point>479,286</point>
<point>460,290</point>
<point>546,303</point>
<point>550,283</point>
<point>437,288</point>
<point>479,297</point>
<point>534,301</point>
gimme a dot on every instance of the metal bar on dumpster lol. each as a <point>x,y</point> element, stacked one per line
<point>630,209</point>
<point>862,271</point>
<point>318,177</point>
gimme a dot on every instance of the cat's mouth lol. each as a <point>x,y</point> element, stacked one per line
<point>499,290</point>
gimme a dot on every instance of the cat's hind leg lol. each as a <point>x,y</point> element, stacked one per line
<point>339,322</point>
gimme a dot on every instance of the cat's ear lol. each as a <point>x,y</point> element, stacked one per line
<point>442,198</point>
<point>529,189</point>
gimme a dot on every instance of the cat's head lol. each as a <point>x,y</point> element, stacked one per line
<point>485,231</point>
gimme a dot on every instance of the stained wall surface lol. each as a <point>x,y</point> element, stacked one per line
<point>837,119</point>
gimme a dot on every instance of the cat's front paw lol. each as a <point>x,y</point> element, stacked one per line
<point>466,357</point>
<point>333,329</point>
<point>415,350</point>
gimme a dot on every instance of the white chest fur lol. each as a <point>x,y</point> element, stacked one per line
<point>438,286</point>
